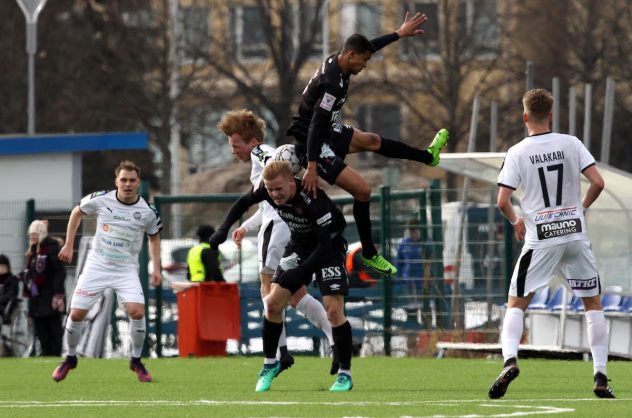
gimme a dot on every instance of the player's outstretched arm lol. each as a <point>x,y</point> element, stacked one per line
<point>65,254</point>
<point>235,212</point>
<point>410,26</point>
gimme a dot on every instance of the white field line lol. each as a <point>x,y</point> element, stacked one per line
<point>210,402</point>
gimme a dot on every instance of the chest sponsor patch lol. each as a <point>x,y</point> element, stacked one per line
<point>327,103</point>
<point>558,228</point>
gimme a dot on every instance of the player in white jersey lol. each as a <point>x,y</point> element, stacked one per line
<point>549,166</point>
<point>123,218</point>
<point>245,132</point>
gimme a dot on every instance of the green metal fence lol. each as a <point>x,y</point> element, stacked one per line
<point>443,299</point>
<point>467,253</point>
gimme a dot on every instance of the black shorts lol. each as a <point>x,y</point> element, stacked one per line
<point>331,274</point>
<point>333,152</point>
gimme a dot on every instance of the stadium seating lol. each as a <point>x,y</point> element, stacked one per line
<point>556,301</point>
<point>626,305</point>
<point>576,304</point>
<point>611,299</point>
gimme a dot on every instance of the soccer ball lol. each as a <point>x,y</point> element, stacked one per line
<point>287,153</point>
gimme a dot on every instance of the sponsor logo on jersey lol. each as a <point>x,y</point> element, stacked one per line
<point>137,216</point>
<point>327,103</point>
<point>555,214</point>
<point>121,218</point>
<point>583,284</point>
<point>324,220</point>
<point>259,154</point>
<point>106,227</point>
<point>100,193</point>
<point>559,228</point>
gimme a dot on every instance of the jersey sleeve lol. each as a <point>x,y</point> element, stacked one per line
<point>329,94</point>
<point>585,157</point>
<point>154,225</point>
<point>260,155</point>
<point>509,175</point>
<point>89,205</point>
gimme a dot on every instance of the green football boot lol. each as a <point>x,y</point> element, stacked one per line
<point>439,141</point>
<point>380,264</point>
<point>266,375</point>
<point>342,384</point>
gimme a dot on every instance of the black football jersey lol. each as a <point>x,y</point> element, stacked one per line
<point>326,92</point>
<point>306,217</point>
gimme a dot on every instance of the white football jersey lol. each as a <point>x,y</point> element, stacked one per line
<point>120,229</point>
<point>259,156</point>
<point>548,167</point>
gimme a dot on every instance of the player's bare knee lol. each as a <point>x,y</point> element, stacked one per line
<point>373,141</point>
<point>362,192</point>
<point>136,312</point>
<point>297,296</point>
<point>274,307</point>
<point>335,315</point>
<point>77,315</point>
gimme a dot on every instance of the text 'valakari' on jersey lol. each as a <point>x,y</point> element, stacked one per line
<point>548,166</point>
<point>120,229</point>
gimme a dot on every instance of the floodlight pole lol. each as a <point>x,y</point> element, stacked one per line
<point>31,10</point>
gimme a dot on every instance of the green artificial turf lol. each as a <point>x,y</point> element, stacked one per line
<point>224,387</point>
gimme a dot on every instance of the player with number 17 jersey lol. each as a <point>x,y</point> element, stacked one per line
<point>546,166</point>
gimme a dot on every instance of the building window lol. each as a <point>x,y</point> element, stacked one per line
<point>477,25</point>
<point>363,18</point>
<point>383,119</point>
<point>194,32</point>
<point>248,32</point>
<point>428,43</point>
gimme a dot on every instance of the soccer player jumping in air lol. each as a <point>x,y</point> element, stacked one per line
<point>322,142</point>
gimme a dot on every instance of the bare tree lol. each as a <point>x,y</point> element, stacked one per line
<point>579,41</point>
<point>260,61</point>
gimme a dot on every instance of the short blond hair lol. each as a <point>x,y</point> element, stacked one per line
<point>243,122</point>
<point>275,169</point>
<point>538,104</point>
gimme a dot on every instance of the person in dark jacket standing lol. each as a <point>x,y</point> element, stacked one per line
<point>45,276</point>
<point>9,285</point>
<point>203,261</point>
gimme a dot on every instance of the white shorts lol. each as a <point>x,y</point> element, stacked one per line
<point>271,242</point>
<point>93,282</point>
<point>572,261</point>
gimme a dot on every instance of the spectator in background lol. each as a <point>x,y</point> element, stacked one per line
<point>45,277</point>
<point>410,251</point>
<point>9,285</point>
<point>203,261</point>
